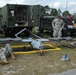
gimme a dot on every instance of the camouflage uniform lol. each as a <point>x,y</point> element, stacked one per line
<point>6,51</point>
<point>57,26</point>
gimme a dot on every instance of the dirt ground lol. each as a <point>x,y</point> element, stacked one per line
<point>34,64</point>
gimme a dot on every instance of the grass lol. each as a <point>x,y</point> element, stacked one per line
<point>34,64</point>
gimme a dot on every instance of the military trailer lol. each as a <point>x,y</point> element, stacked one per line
<point>16,17</point>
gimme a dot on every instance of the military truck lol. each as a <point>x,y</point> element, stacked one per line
<point>16,17</point>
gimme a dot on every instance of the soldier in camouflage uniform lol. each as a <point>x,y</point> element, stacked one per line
<point>57,25</point>
<point>4,52</point>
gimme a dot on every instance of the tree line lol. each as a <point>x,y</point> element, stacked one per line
<point>54,12</point>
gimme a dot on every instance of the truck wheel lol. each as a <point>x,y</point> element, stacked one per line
<point>40,30</point>
<point>51,33</point>
<point>64,32</point>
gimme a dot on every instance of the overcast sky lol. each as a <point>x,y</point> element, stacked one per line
<point>58,4</point>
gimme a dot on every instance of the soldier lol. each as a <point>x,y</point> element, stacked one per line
<point>4,52</point>
<point>57,25</point>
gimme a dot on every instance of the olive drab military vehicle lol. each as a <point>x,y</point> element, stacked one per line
<point>16,17</point>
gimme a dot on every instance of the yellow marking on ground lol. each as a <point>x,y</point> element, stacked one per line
<point>20,46</point>
<point>35,51</point>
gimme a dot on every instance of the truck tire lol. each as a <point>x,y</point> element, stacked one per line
<point>64,32</point>
<point>40,30</point>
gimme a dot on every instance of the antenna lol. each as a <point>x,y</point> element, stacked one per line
<point>66,4</point>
